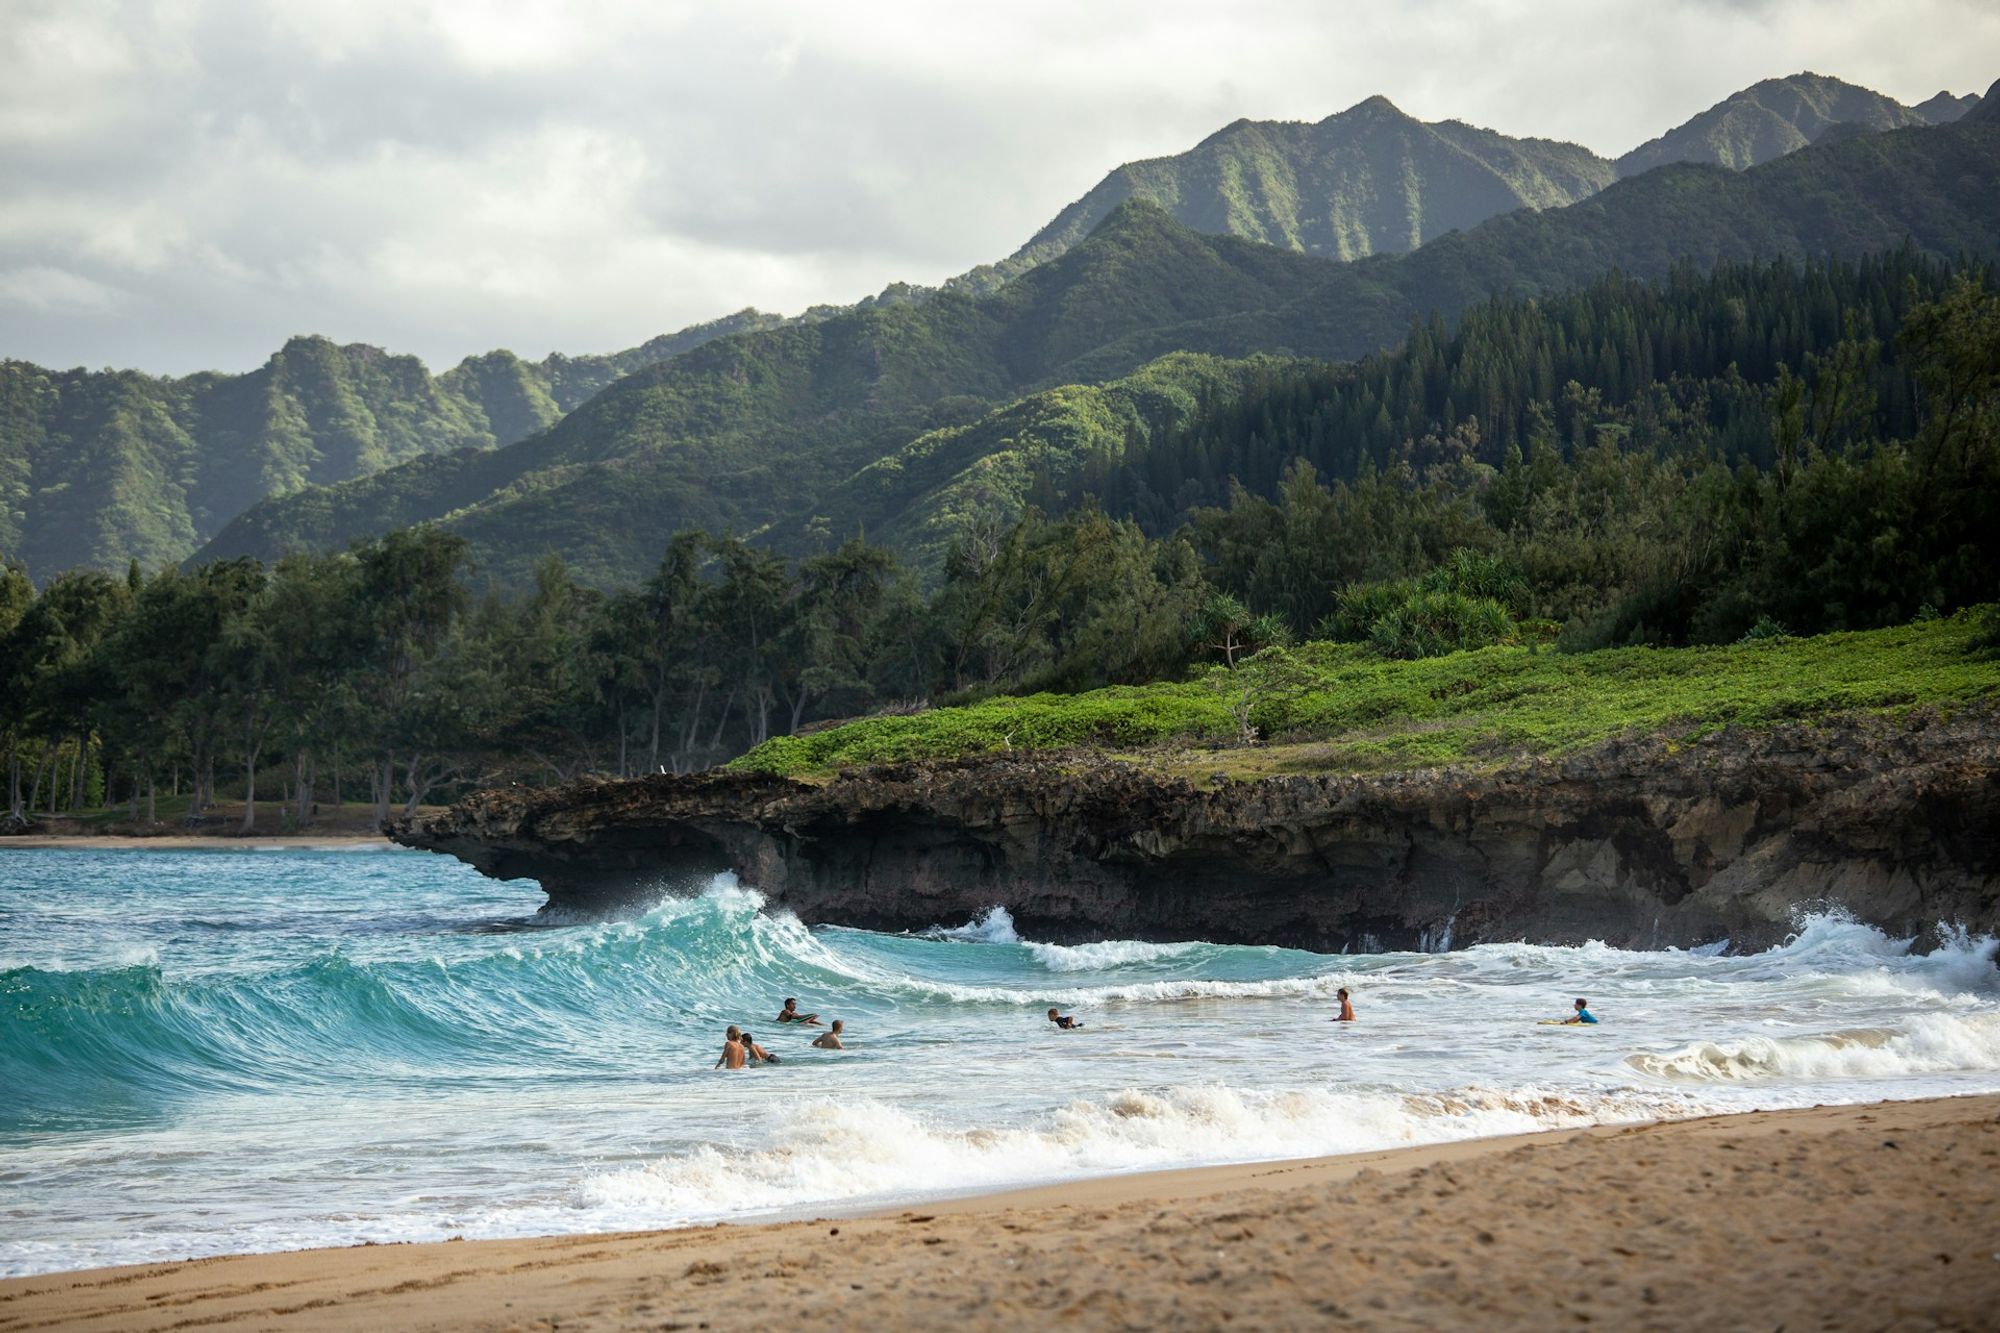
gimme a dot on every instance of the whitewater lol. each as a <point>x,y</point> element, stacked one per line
<point>206,1053</point>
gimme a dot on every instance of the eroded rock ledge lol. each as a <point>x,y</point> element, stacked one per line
<point>1642,843</point>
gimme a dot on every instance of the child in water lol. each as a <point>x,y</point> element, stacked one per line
<point>756,1053</point>
<point>1346,1008</point>
<point>1063,1021</point>
<point>732,1049</point>
<point>1583,1014</point>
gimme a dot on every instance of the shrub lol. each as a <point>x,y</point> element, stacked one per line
<point>1431,624</point>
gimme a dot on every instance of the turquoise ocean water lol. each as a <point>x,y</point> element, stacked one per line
<point>231,1051</point>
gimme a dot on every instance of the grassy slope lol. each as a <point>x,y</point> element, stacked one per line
<point>1361,712</point>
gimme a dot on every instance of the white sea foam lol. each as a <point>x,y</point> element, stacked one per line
<point>1925,1044</point>
<point>866,1150</point>
<point>993,926</point>
<point>1108,954</point>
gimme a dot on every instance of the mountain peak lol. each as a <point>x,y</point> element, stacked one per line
<point>1770,119</point>
<point>1363,181</point>
<point>1987,112</point>
<point>1945,106</point>
<point>1377,106</point>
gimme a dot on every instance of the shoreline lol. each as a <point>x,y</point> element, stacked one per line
<point>1862,1215</point>
<point>193,842</point>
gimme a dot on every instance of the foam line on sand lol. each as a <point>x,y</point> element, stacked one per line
<point>1872,1216</point>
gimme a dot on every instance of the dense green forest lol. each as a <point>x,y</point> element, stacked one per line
<point>770,433</point>
<point>1852,482</point>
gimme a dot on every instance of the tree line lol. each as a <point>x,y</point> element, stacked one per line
<point>1614,512</point>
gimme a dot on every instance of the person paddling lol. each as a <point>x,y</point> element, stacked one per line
<point>1582,1015</point>
<point>732,1049</point>
<point>829,1040</point>
<point>790,1014</point>
<point>1346,1008</point>
<point>1063,1021</point>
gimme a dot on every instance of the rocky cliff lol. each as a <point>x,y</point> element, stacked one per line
<point>1642,843</point>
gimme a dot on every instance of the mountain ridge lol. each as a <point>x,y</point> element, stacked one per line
<point>98,468</point>
<point>1769,119</point>
<point>626,467</point>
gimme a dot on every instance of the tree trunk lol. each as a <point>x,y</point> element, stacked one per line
<point>722,721</point>
<point>14,810</point>
<point>77,788</point>
<point>152,807</point>
<point>653,750</point>
<point>60,752</point>
<point>385,775</point>
<point>249,788</point>
<point>623,732</point>
<point>41,770</point>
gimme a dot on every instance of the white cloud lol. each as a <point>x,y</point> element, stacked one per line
<point>190,181</point>
<point>38,287</point>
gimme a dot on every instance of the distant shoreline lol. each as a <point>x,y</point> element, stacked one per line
<point>1805,1217</point>
<point>177,842</point>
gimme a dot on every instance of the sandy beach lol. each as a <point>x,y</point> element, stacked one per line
<point>174,842</point>
<point>1876,1216</point>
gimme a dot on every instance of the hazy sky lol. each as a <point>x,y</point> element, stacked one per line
<point>185,183</point>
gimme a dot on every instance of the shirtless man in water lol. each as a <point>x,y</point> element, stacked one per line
<point>732,1049</point>
<point>790,1014</point>
<point>829,1040</point>
<point>1346,1008</point>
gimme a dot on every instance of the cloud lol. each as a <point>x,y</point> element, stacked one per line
<point>39,287</point>
<point>190,181</point>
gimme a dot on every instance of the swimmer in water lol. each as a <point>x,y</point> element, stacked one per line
<point>1346,1008</point>
<point>829,1040</point>
<point>732,1049</point>
<point>790,1014</point>
<point>757,1054</point>
<point>1583,1014</point>
<point>1063,1021</point>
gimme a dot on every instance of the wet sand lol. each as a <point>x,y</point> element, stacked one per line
<point>1878,1216</point>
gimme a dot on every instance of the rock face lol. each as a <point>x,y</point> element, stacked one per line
<point>1638,843</point>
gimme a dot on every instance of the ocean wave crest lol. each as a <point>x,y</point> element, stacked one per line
<point>869,1151</point>
<point>1925,1044</point>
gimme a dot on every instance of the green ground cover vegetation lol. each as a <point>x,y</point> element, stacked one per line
<point>1343,707</point>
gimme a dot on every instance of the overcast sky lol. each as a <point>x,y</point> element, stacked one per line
<point>185,183</point>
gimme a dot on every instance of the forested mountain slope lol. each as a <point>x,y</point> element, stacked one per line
<point>752,428</point>
<point>1779,116</point>
<point>101,467</point>
<point>1368,180</point>
<point>773,428</point>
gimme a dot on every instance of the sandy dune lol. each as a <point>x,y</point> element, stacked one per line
<point>1883,1216</point>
